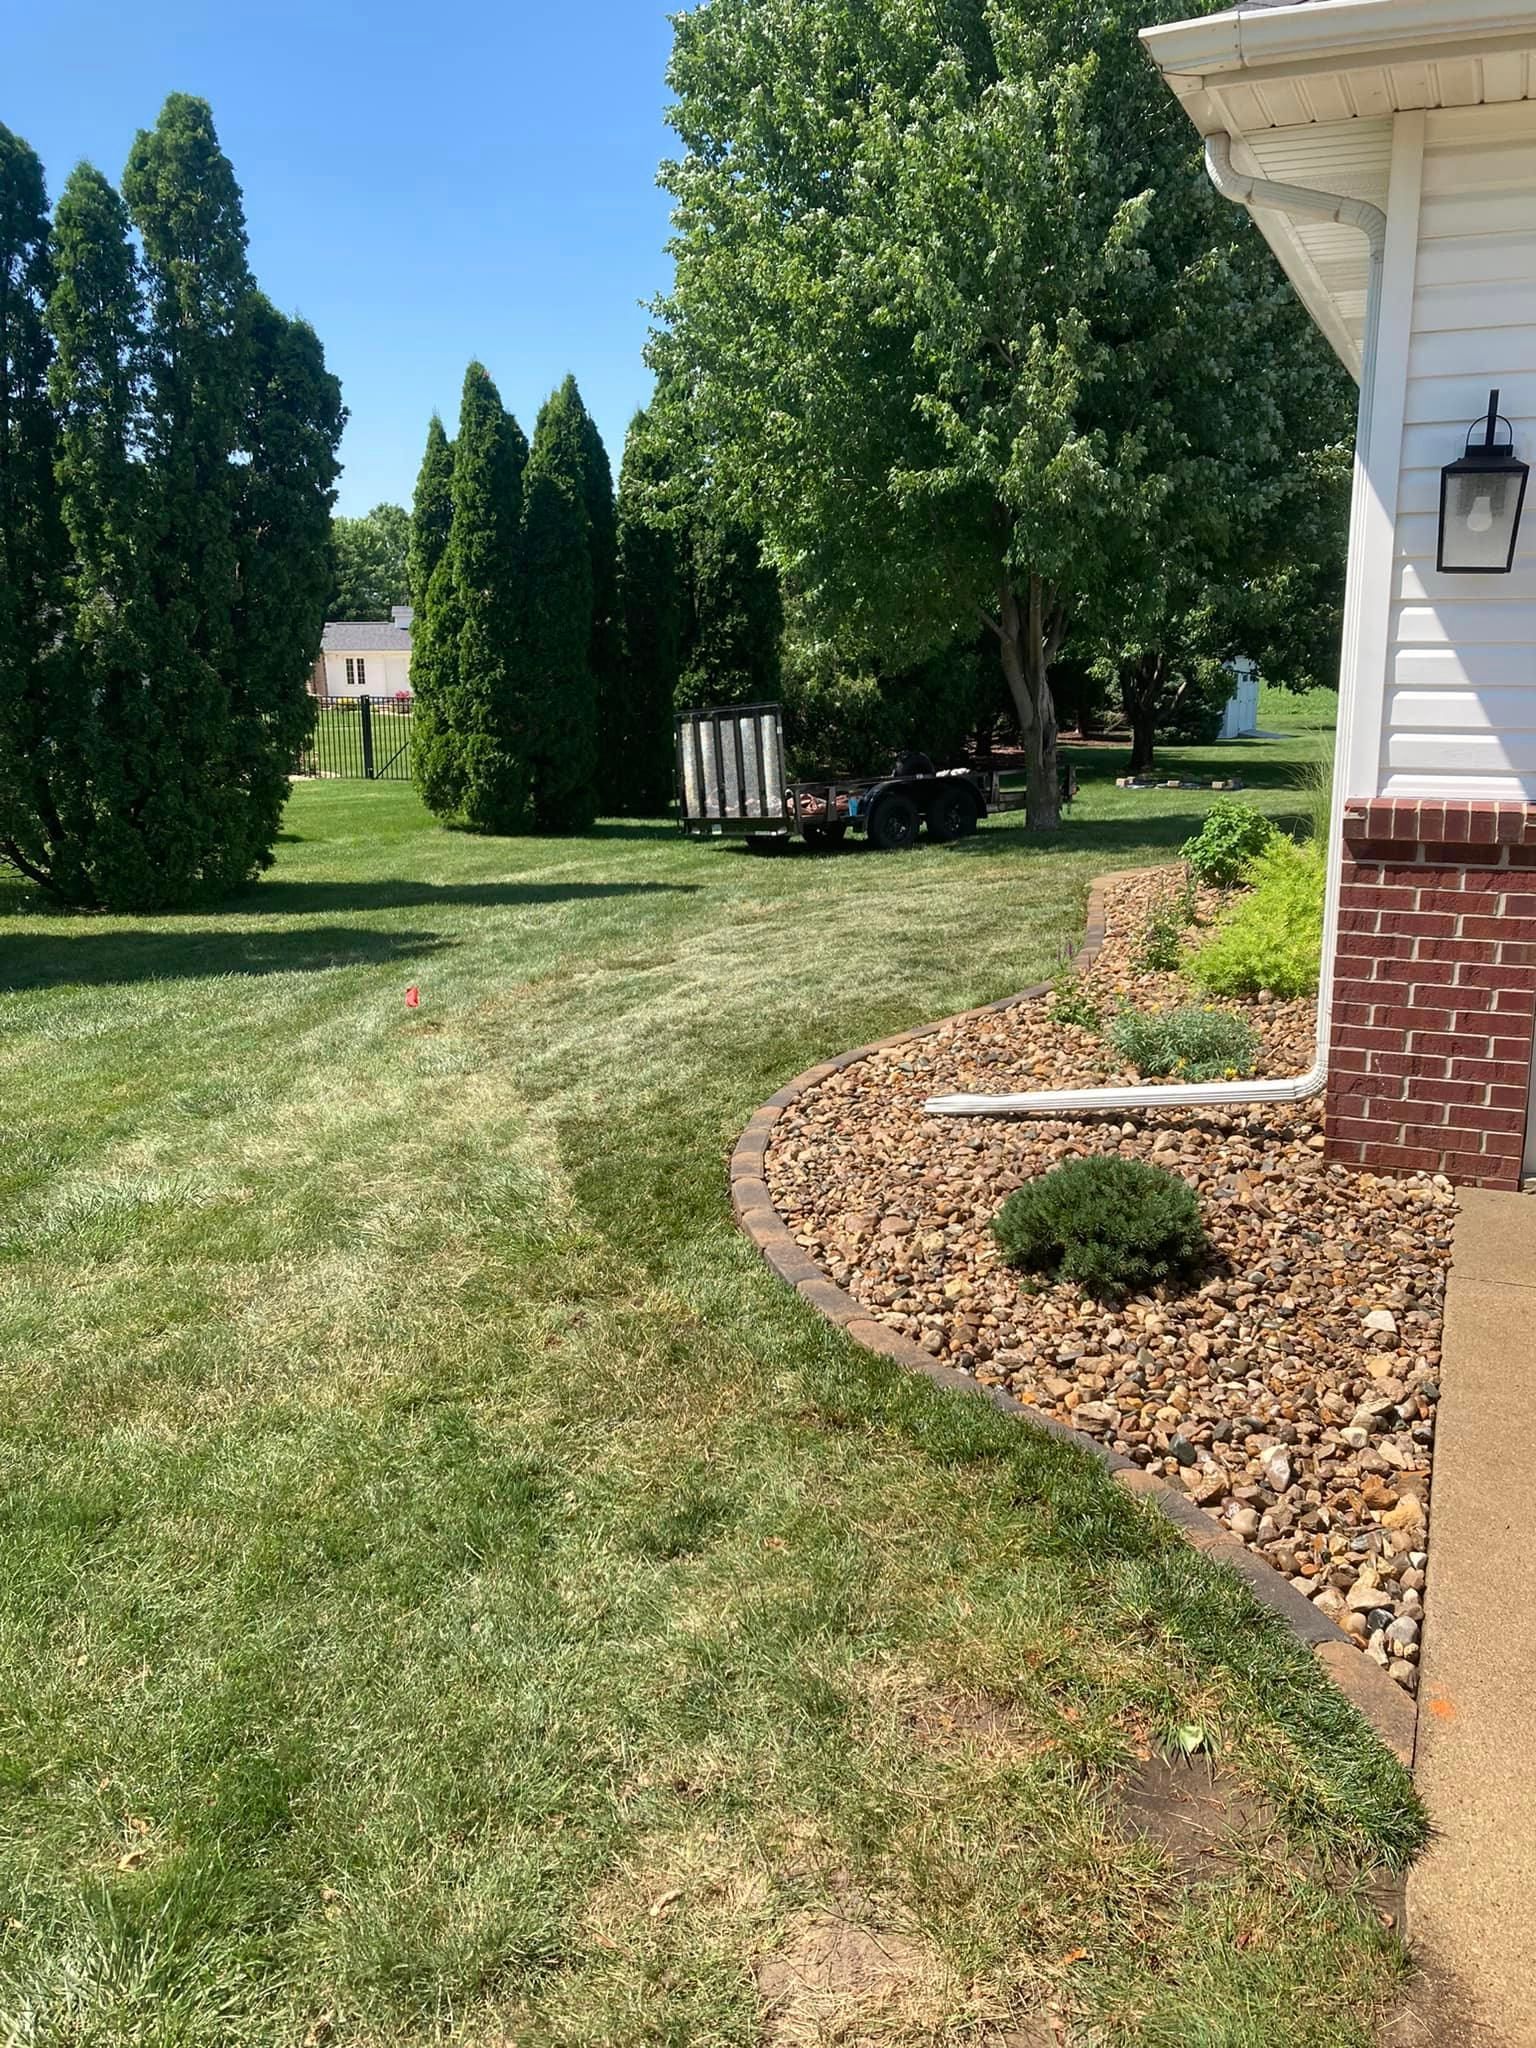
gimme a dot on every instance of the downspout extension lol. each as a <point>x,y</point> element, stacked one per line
<point>1298,202</point>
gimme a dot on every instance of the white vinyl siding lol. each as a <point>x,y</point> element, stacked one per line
<point>1460,710</point>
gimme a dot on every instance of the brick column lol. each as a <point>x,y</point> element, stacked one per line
<point>1434,992</point>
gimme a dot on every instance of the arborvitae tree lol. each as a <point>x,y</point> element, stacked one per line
<point>184,202</point>
<point>635,721</point>
<point>732,653</point>
<point>603,540</point>
<point>434,629</point>
<point>294,418</point>
<point>557,619</point>
<point>431,512</point>
<point>474,767</point>
<point>34,692</point>
<point>196,433</point>
<point>96,315</point>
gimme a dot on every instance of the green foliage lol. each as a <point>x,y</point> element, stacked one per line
<point>1161,947</point>
<point>557,614</point>
<point>185,558</point>
<point>472,746</point>
<point>737,617</point>
<point>431,513</point>
<point>1111,1226</point>
<point>842,720</point>
<point>37,688</point>
<point>1190,1043</point>
<point>1271,939</point>
<point>371,556</point>
<point>1072,1004</point>
<point>965,329</point>
<point>635,719</point>
<point>1228,843</point>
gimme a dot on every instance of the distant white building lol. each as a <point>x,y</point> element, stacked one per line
<point>1241,717</point>
<point>365,657</point>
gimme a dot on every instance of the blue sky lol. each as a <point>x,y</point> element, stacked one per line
<point>424,183</point>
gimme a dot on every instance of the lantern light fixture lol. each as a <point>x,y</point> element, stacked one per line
<point>1481,498</point>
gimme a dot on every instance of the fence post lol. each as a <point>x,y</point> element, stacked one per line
<point>365,708</point>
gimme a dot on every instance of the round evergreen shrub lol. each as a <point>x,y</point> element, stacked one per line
<point>1111,1226</point>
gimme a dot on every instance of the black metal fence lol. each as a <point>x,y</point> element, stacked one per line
<point>361,739</point>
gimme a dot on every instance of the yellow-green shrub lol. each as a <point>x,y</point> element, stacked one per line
<point>1272,937</point>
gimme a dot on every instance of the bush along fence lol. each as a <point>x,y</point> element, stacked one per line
<point>360,739</point>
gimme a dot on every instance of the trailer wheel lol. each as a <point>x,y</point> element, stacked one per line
<point>819,833</point>
<point>893,823</point>
<point>951,815</point>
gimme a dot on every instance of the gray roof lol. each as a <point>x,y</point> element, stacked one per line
<point>365,636</point>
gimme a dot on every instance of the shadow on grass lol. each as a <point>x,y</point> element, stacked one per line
<point>98,959</point>
<point>278,896</point>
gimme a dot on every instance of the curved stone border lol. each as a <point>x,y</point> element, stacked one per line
<point>1386,1706</point>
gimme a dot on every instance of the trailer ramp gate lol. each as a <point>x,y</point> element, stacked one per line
<point>730,767</point>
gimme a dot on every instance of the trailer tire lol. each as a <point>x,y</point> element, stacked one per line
<point>893,823</point>
<point>820,834</point>
<point>952,814</point>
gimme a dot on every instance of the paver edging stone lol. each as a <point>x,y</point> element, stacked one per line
<point>1388,1709</point>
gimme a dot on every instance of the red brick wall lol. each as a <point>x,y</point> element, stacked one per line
<point>1434,992</point>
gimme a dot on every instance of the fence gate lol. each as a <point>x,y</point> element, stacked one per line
<point>360,739</point>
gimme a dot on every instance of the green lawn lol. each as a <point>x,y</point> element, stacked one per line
<point>453,1592</point>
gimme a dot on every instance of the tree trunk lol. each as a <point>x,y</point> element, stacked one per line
<point>1029,635</point>
<point>1141,692</point>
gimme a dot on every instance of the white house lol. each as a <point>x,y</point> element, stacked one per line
<point>365,658</point>
<point>1387,149</point>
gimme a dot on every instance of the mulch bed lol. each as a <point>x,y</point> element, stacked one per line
<point>1292,1391</point>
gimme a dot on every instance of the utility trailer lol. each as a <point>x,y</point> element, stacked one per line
<point>731,782</point>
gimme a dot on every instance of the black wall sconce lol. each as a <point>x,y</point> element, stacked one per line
<point>1481,498</point>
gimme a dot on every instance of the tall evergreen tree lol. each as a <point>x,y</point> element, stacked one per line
<point>431,512</point>
<point>183,200</point>
<point>635,723</point>
<point>33,691</point>
<point>113,722</point>
<point>557,618</point>
<point>434,629</point>
<point>294,418</point>
<point>474,765</point>
<point>603,541</point>
<point>196,431</point>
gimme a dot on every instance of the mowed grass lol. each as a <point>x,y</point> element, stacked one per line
<point>452,1590</point>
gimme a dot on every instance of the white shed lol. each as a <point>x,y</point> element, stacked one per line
<point>1387,149</point>
<point>365,657</point>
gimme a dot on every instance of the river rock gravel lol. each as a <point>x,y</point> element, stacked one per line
<point>1290,1391</point>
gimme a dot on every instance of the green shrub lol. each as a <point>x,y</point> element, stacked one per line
<point>1162,939</point>
<point>1112,1226</point>
<point>1192,1043</point>
<point>1271,939</point>
<point>1072,1004</point>
<point>1228,843</point>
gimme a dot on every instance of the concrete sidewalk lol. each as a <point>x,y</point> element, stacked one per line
<point>1472,1898</point>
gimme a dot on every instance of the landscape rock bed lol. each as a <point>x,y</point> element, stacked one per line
<point>1290,1391</point>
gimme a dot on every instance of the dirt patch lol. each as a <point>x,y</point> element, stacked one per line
<point>969,1720</point>
<point>833,1980</point>
<point>839,1977</point>
<point>1197,1816</point>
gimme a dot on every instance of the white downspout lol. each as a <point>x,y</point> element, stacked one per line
<point>1372,222</point>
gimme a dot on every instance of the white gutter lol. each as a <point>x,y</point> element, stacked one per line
<point>1244,190</point>
<point>1345,34</point>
